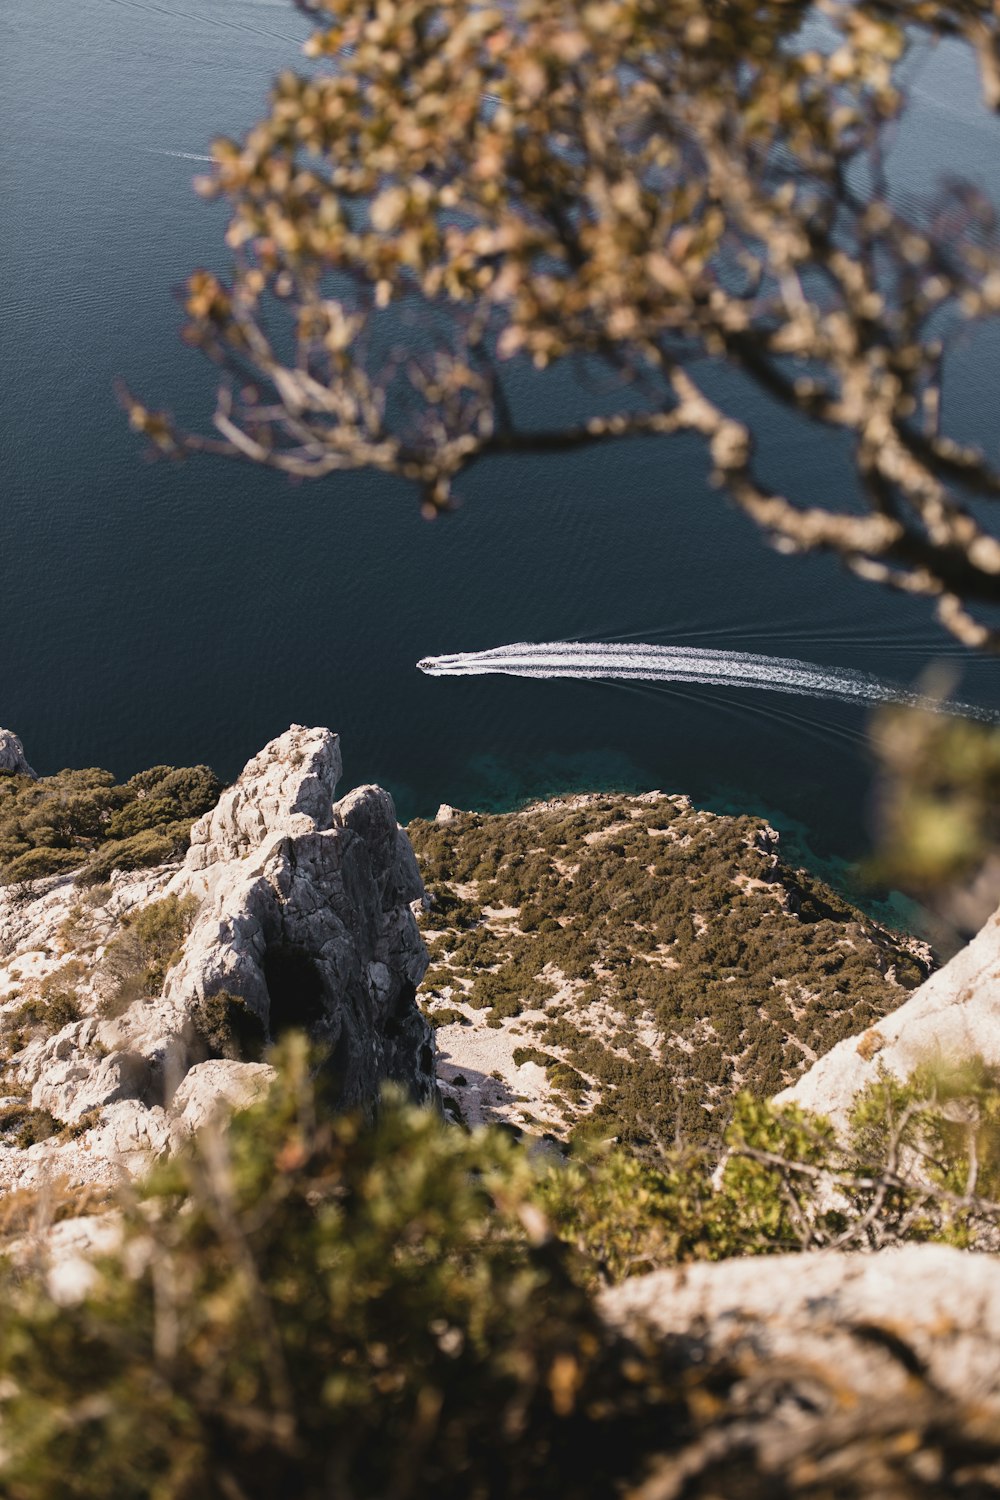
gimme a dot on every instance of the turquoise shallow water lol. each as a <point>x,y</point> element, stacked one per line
<point>162,613</point>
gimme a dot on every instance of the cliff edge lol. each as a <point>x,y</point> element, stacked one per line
<point>953,1016</point>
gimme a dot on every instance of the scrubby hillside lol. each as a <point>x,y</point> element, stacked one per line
<point>630,963</point>
<point>315,1297</point>
<point>87,822</point>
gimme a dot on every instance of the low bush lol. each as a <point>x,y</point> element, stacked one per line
<point>84,820</point>
<point>154,846</point>
<point>366,1315</point>
<point>566,1079</point>
<point>36,864</point>
<point>446,1015</point>
<point>309,1305</point>
<point>50,1016</point>
<point>20,1125</point>
<point>524,1055</point>
<point>229,1028</point>
<point>50,1005</point>
<point>135,963</point>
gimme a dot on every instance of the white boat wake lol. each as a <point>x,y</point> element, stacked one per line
<point>730,669</point>
<point>183,155</point>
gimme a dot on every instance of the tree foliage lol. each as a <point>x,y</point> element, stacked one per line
<point>312,1305</point>
<point>647,188</point>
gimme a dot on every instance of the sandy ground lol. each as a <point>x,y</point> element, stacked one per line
<point>491,1087</point>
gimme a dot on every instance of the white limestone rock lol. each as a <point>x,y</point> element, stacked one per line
<point>71,1086</point>
<point>303,915</point>
<point>130,1135</point>
<point>288,787</point>
<point>832,1326</point>
<point>12,759</point>
<point>218,1084</point>
<point>953,1015</point>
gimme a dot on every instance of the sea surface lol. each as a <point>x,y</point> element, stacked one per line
<point>185,613</point>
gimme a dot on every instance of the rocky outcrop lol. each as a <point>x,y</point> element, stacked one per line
<point>955,1014</point>
<point>304,915</point>
<point>301,920</point>
<point>825,1367</point>
<point>12,761</point>
<point>220,1083</point>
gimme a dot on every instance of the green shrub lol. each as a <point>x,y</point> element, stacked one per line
<point>87,1121</point>
<point>313,1306</point>
<point>566,1079</point>
<point>51,1006</point>
<point>36,864</point>
<point>447,1015</point>
<point>137,960</point>
<point>362,1308</point>
<point>524,1055</point>
<point>786,1183</point>
<point>25,1126</point>
<point>50,1016</point>
<point>157,846</point>
<point>229,1028</point>
<point>938,1137</point>
<point>61,822</point>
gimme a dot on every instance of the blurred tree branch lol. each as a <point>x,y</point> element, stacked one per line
<point>939,815</point>
<point>649,188</point>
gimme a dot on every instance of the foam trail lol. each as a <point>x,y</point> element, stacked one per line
<point>184,155</point>
<point>641,663</point>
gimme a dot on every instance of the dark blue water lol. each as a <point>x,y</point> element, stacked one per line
<point>187,613</point>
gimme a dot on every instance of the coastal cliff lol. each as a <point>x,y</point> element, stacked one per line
<point>611,965</point>
<point>625,968</point>
<point>130,1007</point>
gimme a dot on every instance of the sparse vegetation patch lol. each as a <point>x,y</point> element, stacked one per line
<point>136,961</point>
<point>674,957</point>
